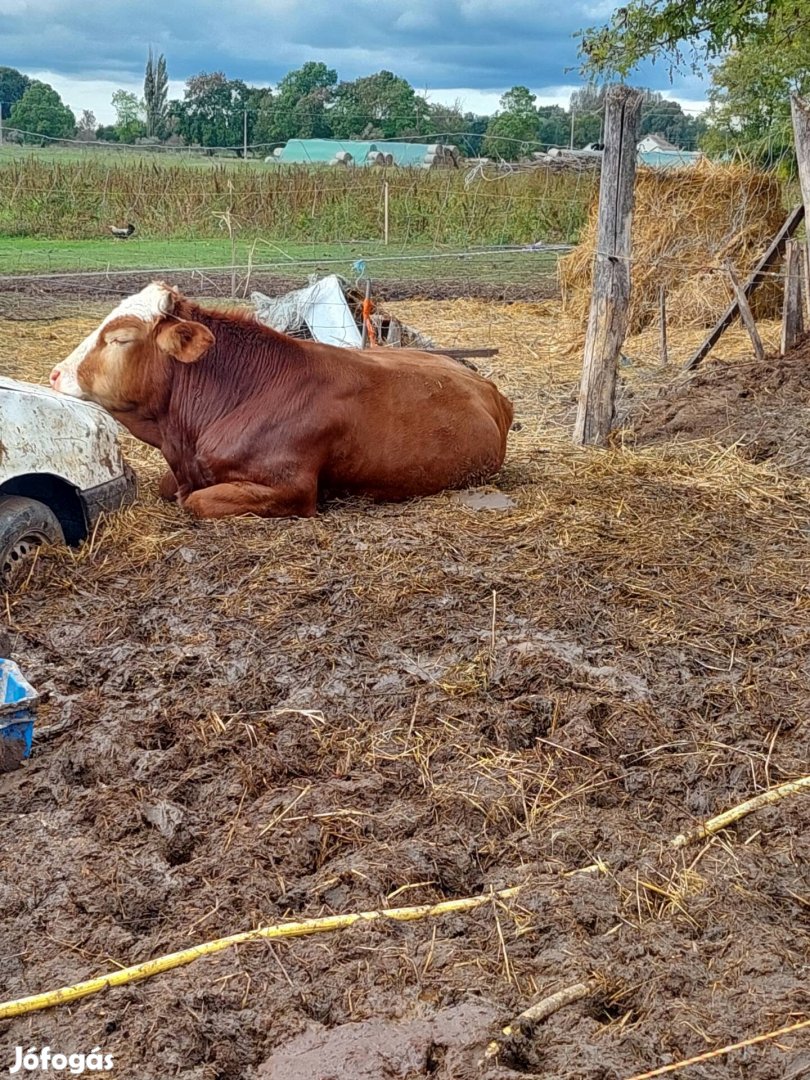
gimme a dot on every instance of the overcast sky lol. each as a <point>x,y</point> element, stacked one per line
<point>471,50</point>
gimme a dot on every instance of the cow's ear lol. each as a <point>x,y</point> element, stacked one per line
<point>185,341</point>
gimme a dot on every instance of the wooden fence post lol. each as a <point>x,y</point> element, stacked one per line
<point>800,112</point>
<point>610,295</point>
<point>662,320</point>
<point>792,321</point>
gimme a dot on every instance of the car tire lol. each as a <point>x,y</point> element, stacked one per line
<point>25,525</point>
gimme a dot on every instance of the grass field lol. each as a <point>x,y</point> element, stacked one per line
<point>25,256</point>
<point>110,154</point>
<point>67,198</point>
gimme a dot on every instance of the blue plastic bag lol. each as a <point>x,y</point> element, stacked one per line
<point>18,706</point>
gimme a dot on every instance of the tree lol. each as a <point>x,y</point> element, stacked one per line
<point>446,123</point>
<point>659,116</point>
<point>554,126</point>
<point>264,128</point>
<point>86,128</point>
<point>380,106</point>
<point>13,85</point>
<point>155,89</point>
<point>129,111</point>
<point>213,111</point>
<point>474,140</point>
<point>449,125</point>
<point>750,99</point>
<point>708,28</point>
<point>587,108</point>
<point>40,111</point>
<point>514,130</point>
<point>300,104</point>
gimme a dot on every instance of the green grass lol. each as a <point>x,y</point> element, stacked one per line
<point>20,255</point>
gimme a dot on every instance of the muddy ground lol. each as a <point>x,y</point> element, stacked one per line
<point>252,721</point>
<point>763,409</point>
<point>25,298</point>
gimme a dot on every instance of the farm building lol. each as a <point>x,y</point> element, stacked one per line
<point>669,159</point>
<point>361,152</point>
<point>591,156</point>
<point>656,142</point>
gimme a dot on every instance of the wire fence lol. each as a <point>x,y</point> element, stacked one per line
<point>494,232</point>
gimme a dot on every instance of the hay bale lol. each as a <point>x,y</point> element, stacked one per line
<point>687,222</point>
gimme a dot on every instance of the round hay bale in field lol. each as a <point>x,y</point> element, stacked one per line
<point>686,223</point>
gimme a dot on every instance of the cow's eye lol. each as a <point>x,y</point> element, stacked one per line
<point>122,337</point>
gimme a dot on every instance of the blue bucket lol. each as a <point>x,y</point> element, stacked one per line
<point>18,705</point>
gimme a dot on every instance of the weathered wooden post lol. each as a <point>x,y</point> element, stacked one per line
<point>610,296</point>
<point>662,323</point>
<point>792,321</point>
<point>800,112</point>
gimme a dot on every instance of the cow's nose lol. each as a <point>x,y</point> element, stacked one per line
<point>55,377</point>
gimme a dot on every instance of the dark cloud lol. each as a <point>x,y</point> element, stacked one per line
<point>485,44</point>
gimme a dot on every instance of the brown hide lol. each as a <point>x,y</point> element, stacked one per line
<point>252,421</point>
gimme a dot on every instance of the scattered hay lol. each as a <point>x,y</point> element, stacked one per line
<point>424,702</point>
<point>686,223</point>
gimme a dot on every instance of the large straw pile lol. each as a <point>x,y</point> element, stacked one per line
<point>687,222</point>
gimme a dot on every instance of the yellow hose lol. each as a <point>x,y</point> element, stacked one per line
<point>281,930</point>
<point>729,817</point>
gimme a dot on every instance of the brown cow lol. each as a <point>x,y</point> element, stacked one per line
<point>253,421</point>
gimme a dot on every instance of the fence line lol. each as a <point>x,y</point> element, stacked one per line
<point>289,263</point>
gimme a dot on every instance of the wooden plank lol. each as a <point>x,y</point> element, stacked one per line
<point>463,352</point>
<point>806,280</point>
<point>745,312</point>
<point>662,319</point>
<point>610,294</point>
<point>768,260</point>
<point>792,321</point>
<point>394,336</point>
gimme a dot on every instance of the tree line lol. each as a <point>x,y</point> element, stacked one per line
<point>311,102</point>
<point>755,52</point>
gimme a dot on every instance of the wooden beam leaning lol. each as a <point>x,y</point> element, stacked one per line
<point>745,312</point>
<point>768,260</point>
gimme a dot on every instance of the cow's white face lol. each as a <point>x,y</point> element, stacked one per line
<point>149,305</point>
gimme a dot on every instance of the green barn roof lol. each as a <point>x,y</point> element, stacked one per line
<point>359,152</point>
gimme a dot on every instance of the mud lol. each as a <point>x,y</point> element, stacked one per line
<point>28,298</point>
<point>250,721</point>
<point>761,408</point>
<point>372,1049</point>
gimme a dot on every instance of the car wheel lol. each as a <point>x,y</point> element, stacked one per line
<point>25,525</point>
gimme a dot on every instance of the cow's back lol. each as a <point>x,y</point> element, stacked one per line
<point>410,423</point>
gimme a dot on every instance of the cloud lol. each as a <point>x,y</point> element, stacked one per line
<point>488,46</point>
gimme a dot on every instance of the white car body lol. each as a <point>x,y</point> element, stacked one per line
<point>62,452</point>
